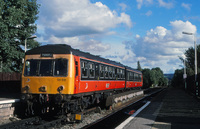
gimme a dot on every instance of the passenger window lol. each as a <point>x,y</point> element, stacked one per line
<point>106,72</point>
<point>101,69</point>
<point>110,73</point>
<point>84,69</point>
<point>118,74</point>
<point>91,70</point>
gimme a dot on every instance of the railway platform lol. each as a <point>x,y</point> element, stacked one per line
<point>171,109</point>
<point>8,102</point>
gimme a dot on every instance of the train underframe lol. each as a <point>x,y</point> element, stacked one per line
<point>36,104</point>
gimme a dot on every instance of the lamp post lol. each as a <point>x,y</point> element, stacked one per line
<point>32,37</point>
<point>185,75</point>
<point>195,59</point>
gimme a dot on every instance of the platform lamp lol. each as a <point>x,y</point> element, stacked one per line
<point>32,37</point>
<point>195,59</point>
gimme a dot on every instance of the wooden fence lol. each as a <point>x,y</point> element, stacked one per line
<point>10,82</point>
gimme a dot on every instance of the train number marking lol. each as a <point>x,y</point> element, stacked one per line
<point>61,79</point>
<point>107,85</point>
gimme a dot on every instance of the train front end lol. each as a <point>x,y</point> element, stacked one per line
<point>47,79</point>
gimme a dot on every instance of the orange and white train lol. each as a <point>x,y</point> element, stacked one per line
<point>62,79</point>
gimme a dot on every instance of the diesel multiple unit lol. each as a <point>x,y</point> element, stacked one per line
<point>62,79</point>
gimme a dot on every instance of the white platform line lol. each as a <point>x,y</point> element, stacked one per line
<point>9,101</point>
<point>132,116</point>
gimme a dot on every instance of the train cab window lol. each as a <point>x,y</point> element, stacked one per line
<point>106,72</point>
<point>91,70</point>
<point>31,68</point>
<point>84,69</point>
<point>61,67</point>
<point>101,71</point>
<point>46,68</point>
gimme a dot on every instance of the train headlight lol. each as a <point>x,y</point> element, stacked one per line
<point>43,89</point>
<point>60,88</point>
<point>26,88</point>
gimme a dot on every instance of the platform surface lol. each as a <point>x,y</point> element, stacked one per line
<point>172,109</point>
<point>6,97</point>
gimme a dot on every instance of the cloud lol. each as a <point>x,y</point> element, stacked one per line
<point>140,3</point>
<point>123,6</point>
<point>165,4</point>
<point>149,13</point>
<point>161,46</point>
<point>186,6</point>
<point>81,17</point>
<point>82,43</point>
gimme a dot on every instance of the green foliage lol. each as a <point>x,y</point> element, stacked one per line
<point>177,80</point>
<point>139,66</point>
<point>153,77</point>
<point>17,22</point>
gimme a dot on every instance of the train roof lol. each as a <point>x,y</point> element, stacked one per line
<point>66,49</point>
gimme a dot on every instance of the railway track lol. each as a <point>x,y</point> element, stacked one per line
<point>92,118</point>
<point>118,116</point>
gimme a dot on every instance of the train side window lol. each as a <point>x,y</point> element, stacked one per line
<point>131,76</point>
<point>119,74</point>
<point>113,72</point>
<point>110,73</point>
<point>106,72</point>
<point>135,77</point>
<point>91,70</point>
<point>84,69</point>
<point>101,70</point>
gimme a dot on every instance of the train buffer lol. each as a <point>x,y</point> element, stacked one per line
<point>171,109</point>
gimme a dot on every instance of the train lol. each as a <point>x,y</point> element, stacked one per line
<point>58,78</point>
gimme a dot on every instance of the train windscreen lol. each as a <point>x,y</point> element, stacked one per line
<point>57,67</point>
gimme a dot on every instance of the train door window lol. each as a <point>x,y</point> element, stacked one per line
<point>106,72</point>
<point>128,76</point>
<point>76,64</point>
<point>110,72</point>
<point>91,70</point>
<point>123,74</point>
<point>46,68</point>
<point>60,67</point>
<point>84,69</point>
<point>101,70</point>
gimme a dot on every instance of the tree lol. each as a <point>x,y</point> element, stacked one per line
<point>17,22</point>
<point>139,66</point>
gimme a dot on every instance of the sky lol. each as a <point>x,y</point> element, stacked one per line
<point>126,31</point>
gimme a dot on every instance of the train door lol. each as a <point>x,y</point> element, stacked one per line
<point>96,76</point>
<point>77,75</point>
